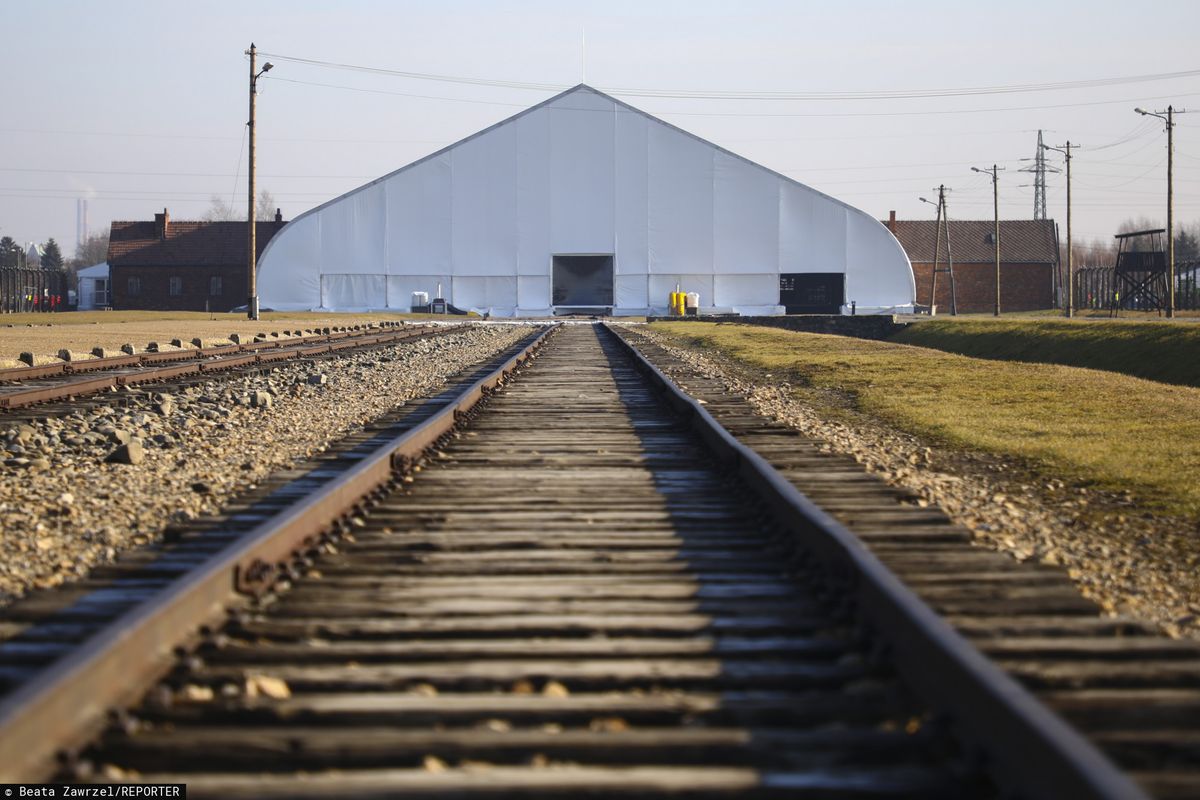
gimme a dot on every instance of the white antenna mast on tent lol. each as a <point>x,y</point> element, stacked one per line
<point>583,54</point>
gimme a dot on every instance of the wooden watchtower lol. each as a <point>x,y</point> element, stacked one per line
<point>1140,277</point>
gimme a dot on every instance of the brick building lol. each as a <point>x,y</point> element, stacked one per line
<point>182,266</point>
<point>1028,262</point>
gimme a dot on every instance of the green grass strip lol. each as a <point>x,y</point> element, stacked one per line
<point>1100,428</point>
<point>1157,351</point>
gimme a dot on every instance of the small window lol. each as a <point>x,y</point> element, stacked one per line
<point>214,286</point>
<point>135,287</point>
<point>176,288</point>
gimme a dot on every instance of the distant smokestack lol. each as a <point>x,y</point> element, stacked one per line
<point>81,220</point>
<point>279,215</point>
<point>892,221</point>
<point>162,224</point>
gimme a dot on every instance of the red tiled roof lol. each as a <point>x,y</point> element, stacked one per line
<point>188,244</point>
<point>1021,240</point>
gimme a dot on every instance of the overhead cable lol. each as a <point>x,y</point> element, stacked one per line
<point>877,94</point>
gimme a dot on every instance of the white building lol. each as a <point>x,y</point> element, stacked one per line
<point>584,202</point>
<point>93,287</point>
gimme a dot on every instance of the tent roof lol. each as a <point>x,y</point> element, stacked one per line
<point>578,88</point>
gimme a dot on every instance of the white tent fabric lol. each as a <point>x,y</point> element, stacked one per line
<point>580,174</point>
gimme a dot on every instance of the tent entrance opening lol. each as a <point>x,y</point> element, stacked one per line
<point>812,292</point>
<point>583,281</point>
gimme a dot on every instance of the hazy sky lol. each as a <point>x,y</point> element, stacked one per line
<point>141,105</point>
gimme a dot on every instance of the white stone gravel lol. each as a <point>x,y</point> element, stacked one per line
<point>1130,561</point>
<point>64,509</point>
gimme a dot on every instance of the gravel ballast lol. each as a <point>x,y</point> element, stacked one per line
<point>77,490</point>
<point>1127,560</point>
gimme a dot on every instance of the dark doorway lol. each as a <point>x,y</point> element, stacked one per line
<point>812,292</point>
<point>583,281</point>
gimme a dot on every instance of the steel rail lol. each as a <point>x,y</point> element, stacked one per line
<point>1027,747</point>
<point>65,705</point>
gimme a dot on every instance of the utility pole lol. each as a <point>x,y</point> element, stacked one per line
<point>1170,120</point>
<point>995,173</point>
<point>937,253</point>
<point>1066,150</point>
<point>252,256</point>
<point>942,215</point>
<point>1170,212</point>
<point>949,251</point>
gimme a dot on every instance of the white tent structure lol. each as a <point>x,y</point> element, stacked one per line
<point>584,202</point>
<point>93,287</point>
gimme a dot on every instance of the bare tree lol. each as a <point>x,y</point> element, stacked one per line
<point>264,209</point>
<point>221,211</point>
<point>92,250</point>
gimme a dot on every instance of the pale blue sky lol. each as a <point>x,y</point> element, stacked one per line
<point>141,105</point>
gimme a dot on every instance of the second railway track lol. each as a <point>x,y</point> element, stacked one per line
<point>581,591</point>
<point>33,389</point>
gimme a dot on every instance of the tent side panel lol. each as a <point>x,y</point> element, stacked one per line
<point>418,220</point>
<point>631,291</point>
<point>745,218</point>
<point>368,245</point>
<point>680,204</point>
<point>289,273</point>
<point>354,291</point>
<point>812,232</point>
<point>630,135</point>
<point>878,272</point>
<point>494,293</point>
<point>533,198</point>
<point>533,294</point>
<point>741,289</point>
<point>581,174</point>
<point>483,227</point>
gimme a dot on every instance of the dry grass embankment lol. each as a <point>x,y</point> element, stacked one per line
<point>1156,350</point>
<point>1109,430</point>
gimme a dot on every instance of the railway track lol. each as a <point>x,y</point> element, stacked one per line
<point>34,386</point>
<point>586,585</point>
<point>1132,690</point>
<point>40,628</point>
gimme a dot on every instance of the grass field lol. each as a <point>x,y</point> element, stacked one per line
<point>1109,430</point>
<point>1157,350</point>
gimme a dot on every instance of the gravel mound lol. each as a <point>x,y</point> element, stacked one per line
<point>1127,559</point>
<point>77,490</point>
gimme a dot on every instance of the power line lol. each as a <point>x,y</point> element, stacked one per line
<point>753,114</point>
<point>886,94</point>
<point>177,174</point>
<point>175,136</point>
<point>426,76</point>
